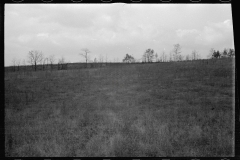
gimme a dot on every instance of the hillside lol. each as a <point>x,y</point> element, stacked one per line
<point>146,110</point>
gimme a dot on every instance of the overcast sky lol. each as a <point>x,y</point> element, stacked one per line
<point>115,29</point>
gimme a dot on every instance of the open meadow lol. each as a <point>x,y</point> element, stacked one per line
<point>130,110</point>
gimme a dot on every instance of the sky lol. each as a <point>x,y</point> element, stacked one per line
<point>113,30</point>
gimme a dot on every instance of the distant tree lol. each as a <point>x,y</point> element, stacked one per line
<point>106,58</point>
<point>177,50</point>
<point>210,55</point>
<point>156,57</point>
<point>160,59</point>
<point>231,53</point>
<point>44,62</point>
<point>224,53</point>
<point>35,57</point>
<point>14,62</point>
<point>62,64</point>
<point>187,57</point>
<point>170,56</point>
<point>51,60</point>
<point>100,58</point>
<point>164,57</point>
<point>144,58</point>
<point>180,58</point>
<point>148,55</point>
<point>194,55</point>
<point>216,54</point>
<point>18,62</point>
<point>128,59</point>
<point>85,54</point>
<point>24,64</point>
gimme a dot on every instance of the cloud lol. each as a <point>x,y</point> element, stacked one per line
<point>216,34</point>
<point>213,35</point>
<point>185,32</point>
<point>43,35</point>
<point>24,38</point>
<point>114,29</point>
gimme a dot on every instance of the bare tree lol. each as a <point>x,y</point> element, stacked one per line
<point>85,54</point>
<point>101,58</point>
<point>18,62</point>
<point>51,60</point>
<point>44,61</point>
<point>216,54</point>
<point>14,62</point>
<point>231,53</point>
<point>128,59</point>
<point>35,57</point>
<point>144,57</point>
<point>177,51</point>
<point>224,53</point>
<point>180,57</point>
<point>106,58</point>
<point>156,57</point>
<point>62,64</point>
<point>170,57</point>
<point>148,55</point>
<point>163,57</point>
<point>24,64</point>
<point>210,53</point>
<point>194,55</point>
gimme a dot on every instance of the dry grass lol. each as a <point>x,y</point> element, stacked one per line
<point>146,110</point>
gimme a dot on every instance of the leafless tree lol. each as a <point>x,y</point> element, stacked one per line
<point>51,60</point>
<point>35,57</point>
<point>180,57</point>
<point>170,56</point>
<point>44,61</point>
<point>62,64</point>
<point>194,55</point>
<point>156,57</point>
<point>177,51</point>
<point>148,55</point>
<point>144,58</point>
<point>163,57</point>
<point>24,64</point>
<point>18,62</point>
<point>100,58</point>
<point>231,52</point>
<point>209,56</point>
<point>85,54</point>
<point>14,62</point>
<point>106,58</point>
<point>128,59</point>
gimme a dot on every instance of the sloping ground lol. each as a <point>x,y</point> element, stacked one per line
<point>166,109</point>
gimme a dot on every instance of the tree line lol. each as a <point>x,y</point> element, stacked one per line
<point>36,58</point>
<point>150,56</point>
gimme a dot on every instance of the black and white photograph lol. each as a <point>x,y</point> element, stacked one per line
<point>119,80</point>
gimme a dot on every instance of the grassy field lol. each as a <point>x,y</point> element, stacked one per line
<point>146,110</point>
